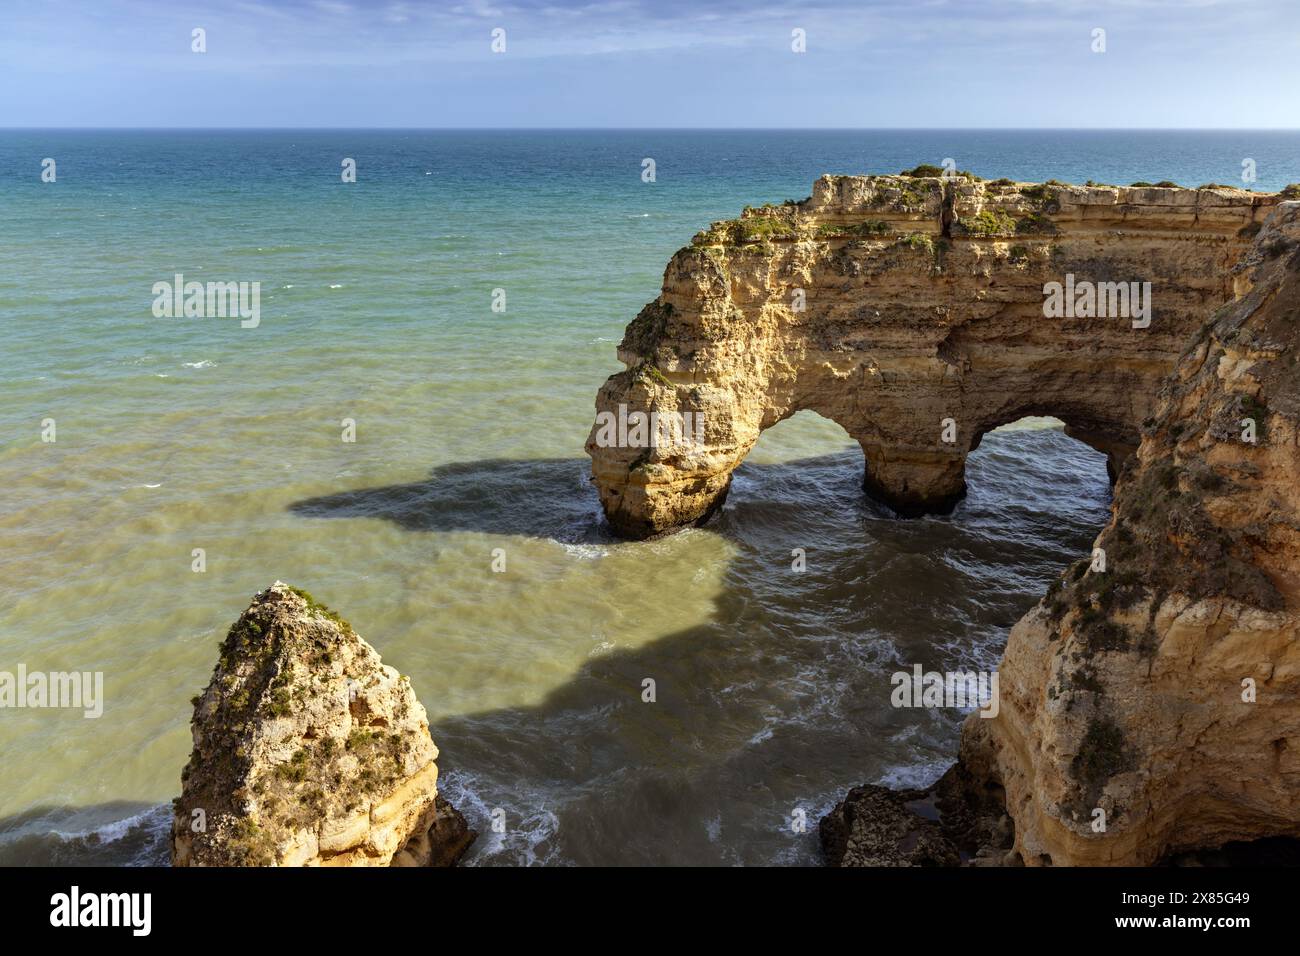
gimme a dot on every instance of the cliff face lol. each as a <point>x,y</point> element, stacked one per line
<point>309,751</point>
<point>910,310</point>
<point>1161,697</point>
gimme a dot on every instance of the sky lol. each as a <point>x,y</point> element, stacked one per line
<point>650,63</point>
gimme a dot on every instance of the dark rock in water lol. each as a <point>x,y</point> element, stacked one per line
<point>450,836</point>
<point>957,821</point>
<point>873,826</point>
<point>973,814</point>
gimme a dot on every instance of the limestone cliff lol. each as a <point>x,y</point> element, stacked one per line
<point>1161,697</point>
<point>308,751</point>
<point>1151,703</point>
<point>910,310</point>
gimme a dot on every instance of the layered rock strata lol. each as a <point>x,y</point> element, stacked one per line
<point>910,310</point>
<point>309,750</point>
<point>1154,707</point>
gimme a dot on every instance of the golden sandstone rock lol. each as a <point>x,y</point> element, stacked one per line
<point>1162,697</point>
<point>910,310</point>
<point>309,751</point>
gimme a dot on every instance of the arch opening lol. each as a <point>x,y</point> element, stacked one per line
<point>1033,469</point>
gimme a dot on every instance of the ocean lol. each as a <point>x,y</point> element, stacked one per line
<point>178,435</point>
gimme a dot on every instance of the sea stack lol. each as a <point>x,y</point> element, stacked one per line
<point>310,751</point>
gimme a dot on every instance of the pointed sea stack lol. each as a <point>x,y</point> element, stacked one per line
<point>310,751</point>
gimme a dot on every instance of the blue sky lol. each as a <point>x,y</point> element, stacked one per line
<point>650,63</point>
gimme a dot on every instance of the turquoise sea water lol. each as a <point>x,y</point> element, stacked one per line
<point>177,434</point>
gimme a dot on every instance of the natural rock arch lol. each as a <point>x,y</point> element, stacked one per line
<point>909,310</point>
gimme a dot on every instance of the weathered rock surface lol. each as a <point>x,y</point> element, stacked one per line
<point>1162,696</point>
<point>874,826</point>
<point>958,821</point>
<point>308,751</point>
<point>890,304</point>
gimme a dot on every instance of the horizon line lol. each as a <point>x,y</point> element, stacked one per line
<point>667,129</point>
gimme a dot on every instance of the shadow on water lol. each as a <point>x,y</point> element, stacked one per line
<point>765,712</point>
<point>693,778</point>
<point>542,497</point>
<point>778,702</point>
<point>745,731</point>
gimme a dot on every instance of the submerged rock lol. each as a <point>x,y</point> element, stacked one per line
<point>309,750</point>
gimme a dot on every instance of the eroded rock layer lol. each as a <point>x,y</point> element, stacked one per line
<point>308,750</point>
<point>910,310</point>
<point>1154,706</point>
